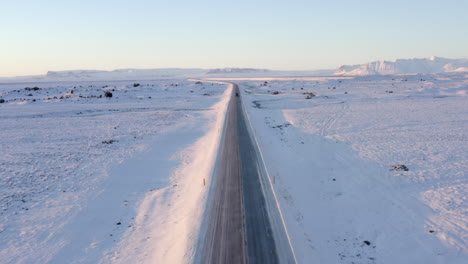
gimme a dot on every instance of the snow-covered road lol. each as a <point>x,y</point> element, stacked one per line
<point>243,222</point>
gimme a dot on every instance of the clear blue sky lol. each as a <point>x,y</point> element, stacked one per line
<point>41,35</point>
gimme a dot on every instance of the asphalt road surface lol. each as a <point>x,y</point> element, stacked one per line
<point>239,229</point>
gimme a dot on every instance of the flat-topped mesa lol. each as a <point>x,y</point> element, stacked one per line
<point>405,66</point>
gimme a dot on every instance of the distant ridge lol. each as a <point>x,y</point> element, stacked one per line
<point>119,74</point>
<point>399,66</point>
<point>160,73</point>
<point>236,70</point>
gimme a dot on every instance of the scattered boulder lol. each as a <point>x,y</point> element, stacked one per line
<point>310,95</point>
<point>136,84</point>
<point>282,126</point>
<point>109,141</point>
<point>198,82</point>
<point>2,101</point>
<point>35,88</point>
<point>108,94</point>
<point>367,242</point>
<point>275,92</point>
<point>399,167</point>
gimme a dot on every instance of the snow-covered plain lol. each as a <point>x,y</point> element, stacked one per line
<point>86,178</point>
<point>332,158</point>
<point>90,179</point>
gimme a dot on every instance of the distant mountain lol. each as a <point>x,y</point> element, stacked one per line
<point>236,70</point>
<point>120,74</point>
<point>161,73</point>
<point>251,72</point>
<point>405,66</point>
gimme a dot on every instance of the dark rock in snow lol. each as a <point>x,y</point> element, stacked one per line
<point>367,242</point>
<point>399,167</point>
<point>109,141</point>
<point>310,95</point>
<point>32,89</point>
<point>108,94</point>
<point>2,101</point>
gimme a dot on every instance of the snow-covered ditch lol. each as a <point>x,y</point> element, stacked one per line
<point>368,169</point>
<point>86,178</point>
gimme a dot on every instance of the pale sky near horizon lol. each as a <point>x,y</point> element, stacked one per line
<point>42,35</point>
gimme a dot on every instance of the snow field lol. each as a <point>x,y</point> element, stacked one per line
<point>80,173</point>
<point>332,155</point>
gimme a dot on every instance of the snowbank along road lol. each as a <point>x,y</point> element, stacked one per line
<point>242,221</point>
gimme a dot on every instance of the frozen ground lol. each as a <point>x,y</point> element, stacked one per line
<point>90,179</point>
<point>332,158</point>
<point>86,178</point>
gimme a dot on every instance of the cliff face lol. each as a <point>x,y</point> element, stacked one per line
<point>405,66</point>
